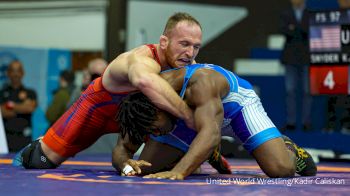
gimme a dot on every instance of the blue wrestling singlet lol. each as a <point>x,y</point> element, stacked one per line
<point>244,115</point>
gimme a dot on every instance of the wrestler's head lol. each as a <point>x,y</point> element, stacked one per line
<point>138,117</point>
<point>181,40</point>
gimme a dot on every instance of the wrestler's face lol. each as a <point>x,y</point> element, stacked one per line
<point>183,44</point>
<point>164,124</point>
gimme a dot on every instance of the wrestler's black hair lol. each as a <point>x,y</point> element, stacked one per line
<point>136,116</point>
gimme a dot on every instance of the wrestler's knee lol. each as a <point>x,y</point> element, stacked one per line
<point>34,158</point>
<point>280,169</point>
<point>275,159</point>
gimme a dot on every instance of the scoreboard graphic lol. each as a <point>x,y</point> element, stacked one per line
<point>329,42</point>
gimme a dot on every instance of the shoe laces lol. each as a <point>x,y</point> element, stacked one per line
<point>301,164</point>
<point>216,154</point>
<point>301,152</point>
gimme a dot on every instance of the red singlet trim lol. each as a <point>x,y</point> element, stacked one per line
<point>154,52</point>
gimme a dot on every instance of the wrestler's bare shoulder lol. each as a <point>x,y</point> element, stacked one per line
<point>122,61</point>
<point>134,55</point>
<point>116,77</point>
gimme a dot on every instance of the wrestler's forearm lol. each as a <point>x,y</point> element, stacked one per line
<point>164,96</point>
<point>145,77</point>
<point>121,153</point>
<point>119,157</point>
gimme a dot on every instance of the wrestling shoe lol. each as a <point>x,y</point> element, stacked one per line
<point>305,165</point>
<point>17,159</point>
<point>218,162</point>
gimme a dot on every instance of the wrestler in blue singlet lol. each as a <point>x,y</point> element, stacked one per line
<point>244,115</point>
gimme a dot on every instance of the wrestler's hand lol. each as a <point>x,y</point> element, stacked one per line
<point>166,175</point>
<point>132,167</point>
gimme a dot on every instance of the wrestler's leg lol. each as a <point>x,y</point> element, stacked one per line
<point>52,155</point>
<point>275,159</point>
<point>277,155</point>
<point>281,157</point>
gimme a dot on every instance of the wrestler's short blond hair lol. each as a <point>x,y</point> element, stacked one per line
<point>179,17</point>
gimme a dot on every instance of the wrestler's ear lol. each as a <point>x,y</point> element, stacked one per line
<point>163,42</point>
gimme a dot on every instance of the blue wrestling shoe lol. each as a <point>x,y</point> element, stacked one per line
<point>305,164</point>
<point>218,162</point>
<point>18,160</point>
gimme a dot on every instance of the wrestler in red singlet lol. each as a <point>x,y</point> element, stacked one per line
<point>90,117</point>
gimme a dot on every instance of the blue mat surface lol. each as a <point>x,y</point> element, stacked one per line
<point>93,175</point>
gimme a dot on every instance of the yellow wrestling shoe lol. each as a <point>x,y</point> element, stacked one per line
<point>218,162</point>
<point>305,165</point>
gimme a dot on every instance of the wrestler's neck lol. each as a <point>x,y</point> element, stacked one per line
<point>162,58</point>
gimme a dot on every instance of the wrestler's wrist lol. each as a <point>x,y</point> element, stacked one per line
<point>179,171</point>
<point>120,163</point>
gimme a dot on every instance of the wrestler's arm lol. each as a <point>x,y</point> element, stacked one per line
<point>123,153</point>
<point>144,75</point>
<point>208,117</point>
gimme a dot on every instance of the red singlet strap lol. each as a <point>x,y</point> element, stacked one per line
<point>154,52</point>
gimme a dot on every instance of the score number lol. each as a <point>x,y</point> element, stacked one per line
<point>329,80</point>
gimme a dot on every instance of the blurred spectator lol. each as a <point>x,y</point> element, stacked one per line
<point>94,70</point>
<point>295,57</point>
<point>344,4</point>
<point>61,96</point>
<point>338,108</point>
<point>17,105</point>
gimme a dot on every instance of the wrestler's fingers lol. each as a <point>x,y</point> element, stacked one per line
<point>132,173</point>
<point>144,163</point>
<point>148,176</point>
<point>139,164</point>
<point>137,169</point>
